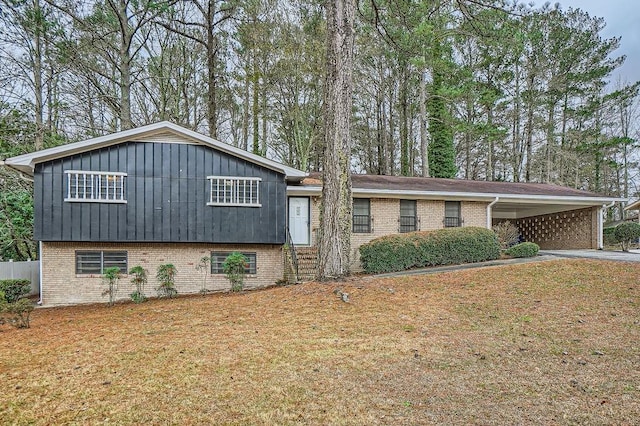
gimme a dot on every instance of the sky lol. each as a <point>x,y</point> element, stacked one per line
<point>623,20</point>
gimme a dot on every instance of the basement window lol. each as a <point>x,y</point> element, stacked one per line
<point>218,258</point>
<point>234,191</point>
<point>97,187</point>
<point>96,261</point>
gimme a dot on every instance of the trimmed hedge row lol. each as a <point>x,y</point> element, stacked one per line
<point>450,246</point>
<point>523,250</point>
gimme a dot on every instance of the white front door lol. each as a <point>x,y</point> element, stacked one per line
<point>299,220</point>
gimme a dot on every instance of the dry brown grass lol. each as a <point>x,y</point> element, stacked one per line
<point>542,343</point>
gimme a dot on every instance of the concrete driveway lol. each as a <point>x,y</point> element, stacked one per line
<point>620,256</point>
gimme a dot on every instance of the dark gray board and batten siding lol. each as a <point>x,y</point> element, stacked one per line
<point>167,191</point>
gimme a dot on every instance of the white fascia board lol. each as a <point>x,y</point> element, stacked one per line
<point>26,162</point>
<point>469,196</point>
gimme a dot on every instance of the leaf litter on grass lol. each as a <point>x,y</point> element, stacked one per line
<point>539,343</point>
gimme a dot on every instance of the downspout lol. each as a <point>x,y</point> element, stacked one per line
<point>601,225</point>
<point>489,211</point>
<point>40,272</point>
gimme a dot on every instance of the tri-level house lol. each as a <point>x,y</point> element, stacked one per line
<point>162,194</point>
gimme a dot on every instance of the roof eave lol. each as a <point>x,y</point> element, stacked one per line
<point>468,196</point>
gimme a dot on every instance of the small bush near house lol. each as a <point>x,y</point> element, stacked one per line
<point>15,308</point>
<point>449,246</point>
<point>19,312</point>
<point>203,266</point>
<point>626,233</point>
<point>507,233</point>
<point>111,276</point>
<point>166,274</point>
<point>523,250</point>
<point>139,280</point>
<point>609,237</point>
<point>14,289</point>
<point>233,267</point>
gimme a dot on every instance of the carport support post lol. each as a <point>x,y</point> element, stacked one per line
<point>600,231</point>
<point>601,210</point>
<point>489,212</point>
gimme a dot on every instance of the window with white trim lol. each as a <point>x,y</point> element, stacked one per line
<point>100,187</point>
<point>234,191</point>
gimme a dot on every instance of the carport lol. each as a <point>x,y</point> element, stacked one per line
<point>568,223</point>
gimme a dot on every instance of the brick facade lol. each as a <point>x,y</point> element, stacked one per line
<point>385,216</point>
<point>574,229</point>
<point>61,285</point>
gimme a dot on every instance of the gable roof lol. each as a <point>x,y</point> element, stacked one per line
<point>163,131</point>
<point>440,188</point>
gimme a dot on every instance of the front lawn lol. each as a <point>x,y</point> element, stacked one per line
<point>554,342</point>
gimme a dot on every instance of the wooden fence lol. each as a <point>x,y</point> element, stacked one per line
<point>22,270</point>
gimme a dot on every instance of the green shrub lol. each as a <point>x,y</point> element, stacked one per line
<point>111,276</point>
<point>609,237</point>
<point>166,274</point>
<point>626,233</point>
<point>448,246</point>
<point>139,279</point>
<point>19,312</point>
<point>523,250</point>
<point>14,289</point>
<point>233,267</point>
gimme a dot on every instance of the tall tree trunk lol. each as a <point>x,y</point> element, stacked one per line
<point>550,139</point>
<point>424,143</point>
<point>265,122</point>
<point>245,113</point>
<point>491,173</point>
<point>125,88</point>
<point>335,209</point>
<point>380,129</point>
<point>404,112</point>
<point>255,108</point>
<point>212,77</point>
<point>124,65</point>
<point>391,133</point>
<point>37,75</point>
<point>529,136</point>
<point>516,160</point>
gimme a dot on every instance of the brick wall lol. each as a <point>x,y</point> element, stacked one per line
<point>61,285</point>
<point>474,213</point>
<point>385,213</point>
<point>574,229</point>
